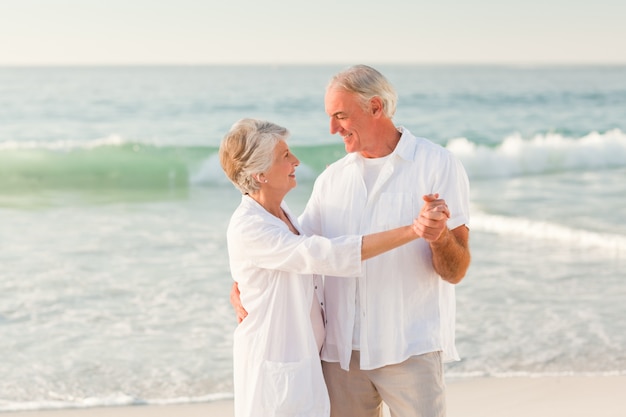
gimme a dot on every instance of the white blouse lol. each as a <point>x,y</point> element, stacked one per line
<point>277,368</point>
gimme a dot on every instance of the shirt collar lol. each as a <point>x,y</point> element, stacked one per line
<point>405,148</point>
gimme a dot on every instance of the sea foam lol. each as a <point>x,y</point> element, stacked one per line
<point>542,230</point>
<point>541,154</point>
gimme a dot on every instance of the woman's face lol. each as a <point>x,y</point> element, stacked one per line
<point>282,174</point>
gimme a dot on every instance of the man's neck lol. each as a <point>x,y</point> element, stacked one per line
<point>390,138</point>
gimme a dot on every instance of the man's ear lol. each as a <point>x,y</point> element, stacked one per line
<point>376,106</point>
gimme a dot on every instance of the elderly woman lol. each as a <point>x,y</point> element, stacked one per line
<point>277,368</point>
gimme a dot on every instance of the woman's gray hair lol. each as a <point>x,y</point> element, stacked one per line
<point>248,150</point>
<point>367,83</point>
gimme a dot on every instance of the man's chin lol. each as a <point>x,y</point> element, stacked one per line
<point>350,148</point>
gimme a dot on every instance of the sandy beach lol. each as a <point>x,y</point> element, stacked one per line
<point>476,397</point>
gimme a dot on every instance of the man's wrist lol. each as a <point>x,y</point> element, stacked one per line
<point>442,239</point>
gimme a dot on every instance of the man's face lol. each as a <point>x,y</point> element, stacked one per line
<point>349,119</point>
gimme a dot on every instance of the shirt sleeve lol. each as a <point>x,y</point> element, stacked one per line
<point>271,245</point>
<point>453,186</point>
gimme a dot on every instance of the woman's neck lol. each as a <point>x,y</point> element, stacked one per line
<point>271,203</point>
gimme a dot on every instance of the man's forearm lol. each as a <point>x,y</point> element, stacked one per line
<point>451,255</point>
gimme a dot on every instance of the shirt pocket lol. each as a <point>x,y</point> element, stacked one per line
<point>394,210</point>
<point>288,388</point>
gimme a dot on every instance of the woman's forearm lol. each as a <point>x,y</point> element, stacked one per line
<point>376,243</point>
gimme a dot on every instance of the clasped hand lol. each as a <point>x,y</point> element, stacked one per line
<point>431,222</point>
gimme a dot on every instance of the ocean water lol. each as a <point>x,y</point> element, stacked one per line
<point>114,278</point>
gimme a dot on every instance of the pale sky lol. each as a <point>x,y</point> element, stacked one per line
<point>112,32</point>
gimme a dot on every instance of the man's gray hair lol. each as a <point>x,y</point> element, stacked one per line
<point>367,83</point>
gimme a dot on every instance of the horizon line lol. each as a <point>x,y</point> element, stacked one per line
<point>322,64</point>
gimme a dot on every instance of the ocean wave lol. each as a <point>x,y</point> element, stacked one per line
<point>542,230</point>
<point>63,145</point>
<point>528,374</point>
<point>116,162</point>
<point>112,401</point>
<point>541,154</point>
<point>110,162</point>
